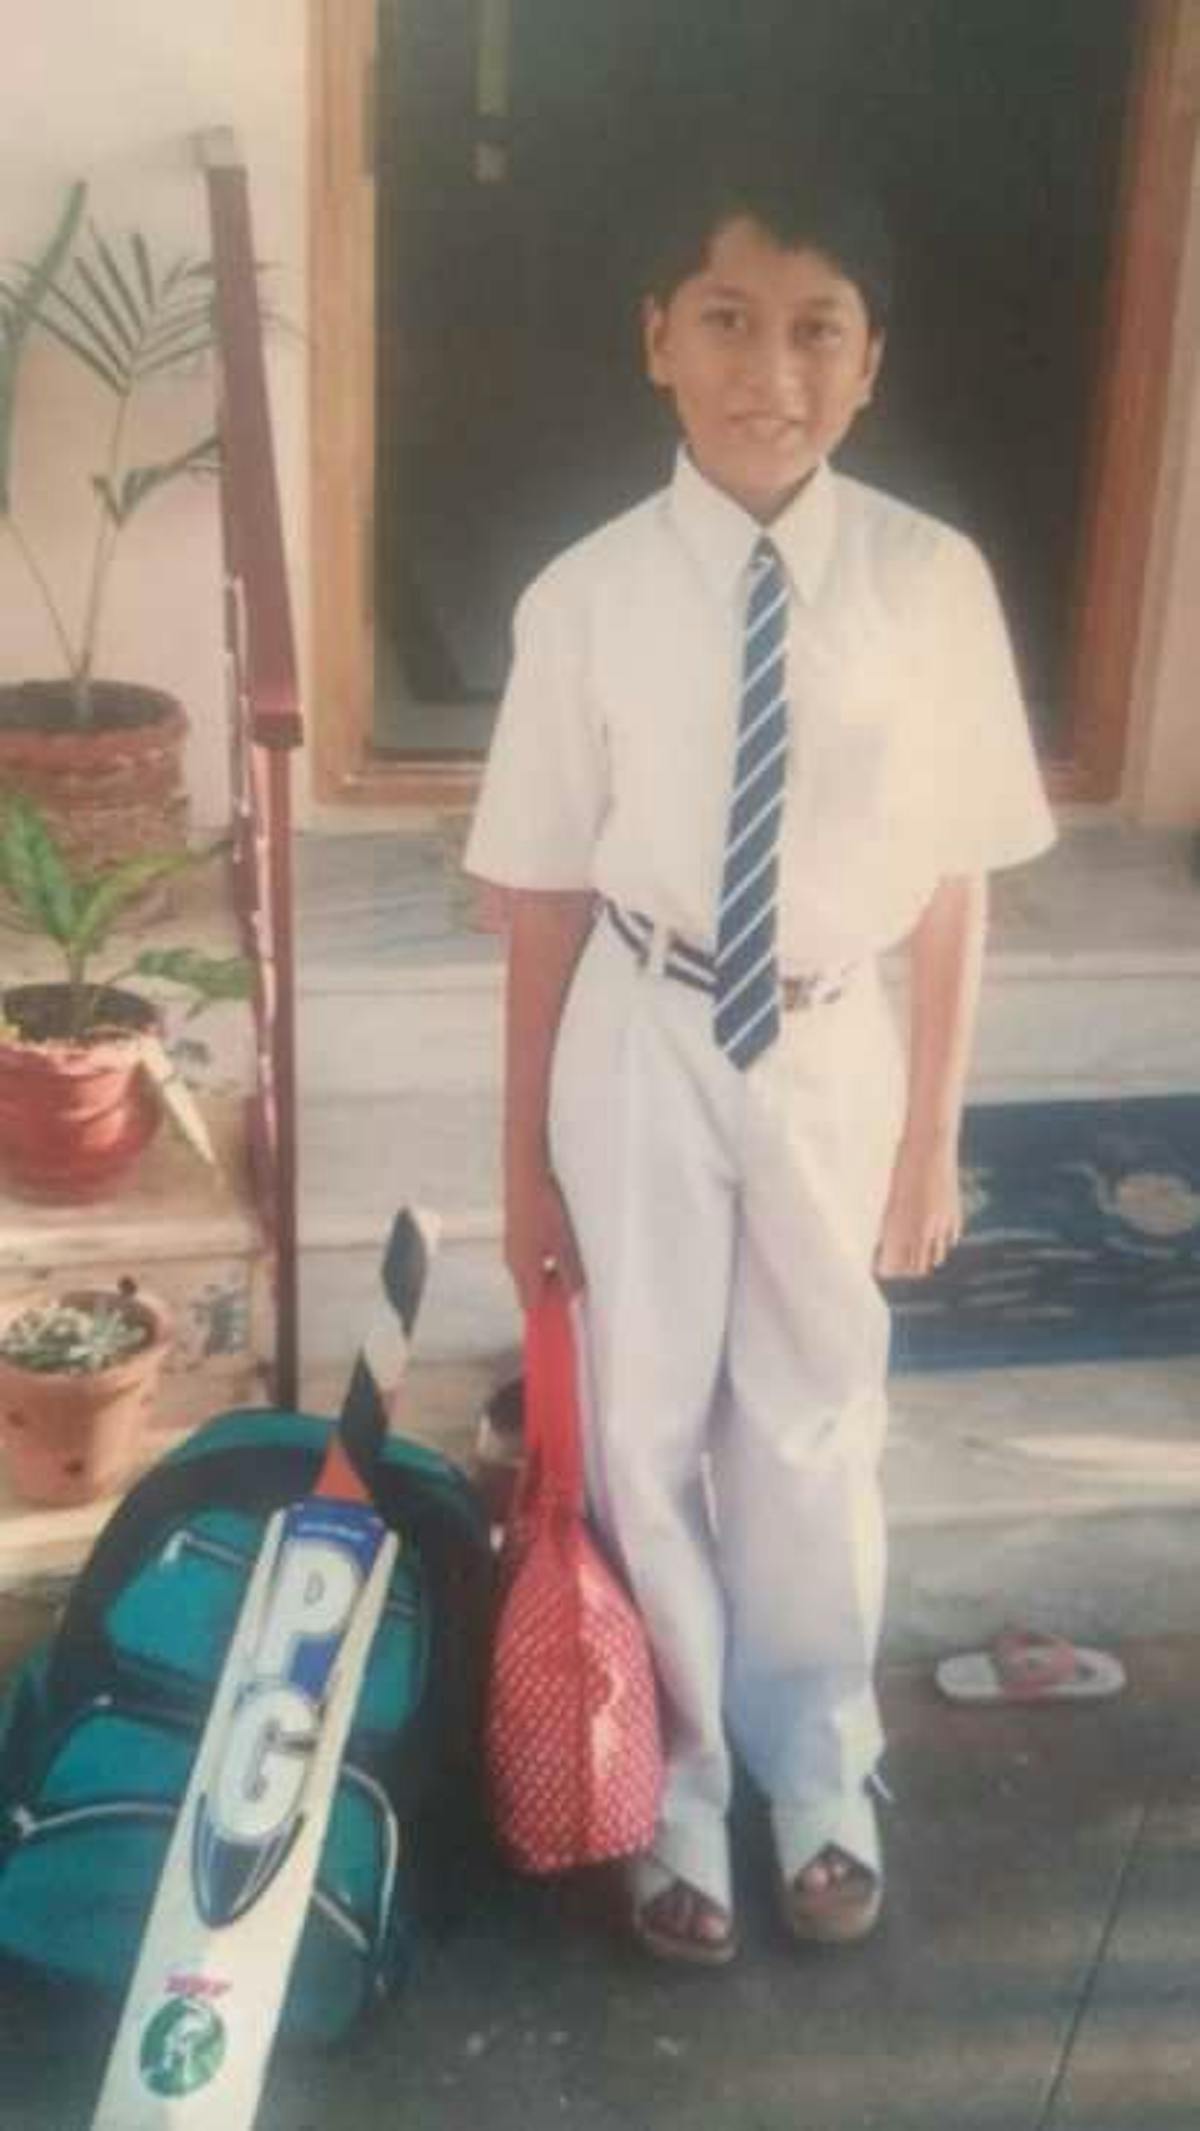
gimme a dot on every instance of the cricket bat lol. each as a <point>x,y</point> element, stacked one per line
<point>199,2020</point>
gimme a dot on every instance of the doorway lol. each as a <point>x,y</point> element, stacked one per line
<point>511,414</point>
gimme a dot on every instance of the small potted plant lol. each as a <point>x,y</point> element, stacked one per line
<point>78,1380</point>
<point>84,1075</point>
<point>102,757</point>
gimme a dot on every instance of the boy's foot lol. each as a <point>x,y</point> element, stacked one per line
<point>678,1923</point>
<point>833,1900</point>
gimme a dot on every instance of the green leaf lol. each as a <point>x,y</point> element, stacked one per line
<point>86,341</point>
<point>108,894</point>
<point>183,316</point>
<point>193,322</point>
<point>104,326</point>
<point>20,313</point>
<point>109,498</point>
<point>210,977</point>
<point>36,872</point>
<point>116,279</point>
<point>106,307</point>
<point>172,361</point>
<point>140,482</point>
<point>141,255</point>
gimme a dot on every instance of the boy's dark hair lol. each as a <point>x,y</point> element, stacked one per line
<point>805,195</point>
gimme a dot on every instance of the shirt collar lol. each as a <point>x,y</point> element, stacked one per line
<point>722,536</point>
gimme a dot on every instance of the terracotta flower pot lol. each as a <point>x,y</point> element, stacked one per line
<point>70,1438</point>
<point>110,790</point>
<point>74,1115</point>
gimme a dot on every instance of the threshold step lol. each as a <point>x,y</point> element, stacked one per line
<point>363,1156</point>
<point>468,1315</point>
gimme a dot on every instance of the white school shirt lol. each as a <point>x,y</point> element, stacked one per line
<point>909,756</point>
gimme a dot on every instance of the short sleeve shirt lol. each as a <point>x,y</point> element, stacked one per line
<point>909,751</point>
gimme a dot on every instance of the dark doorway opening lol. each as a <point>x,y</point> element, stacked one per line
<point>511,411</point>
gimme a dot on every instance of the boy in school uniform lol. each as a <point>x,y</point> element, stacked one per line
<point>758,729</point>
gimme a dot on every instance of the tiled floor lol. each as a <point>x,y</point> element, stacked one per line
<point>1035,1969</point>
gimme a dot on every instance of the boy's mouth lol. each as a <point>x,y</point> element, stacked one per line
<point>766,428</point>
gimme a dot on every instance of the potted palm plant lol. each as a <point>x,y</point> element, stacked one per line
<point>102,757</point>
<point>79,1374</point>
<point>84,1075</point>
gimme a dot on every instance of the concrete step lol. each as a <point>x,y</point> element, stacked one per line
<point>469,1314</point>
<point>1084,1023</point>
<point>1092,989</point>
<point>1064,1498</point>
<point>364,1155</point>
<point>1092,983</point>
<point>1067,1499</point>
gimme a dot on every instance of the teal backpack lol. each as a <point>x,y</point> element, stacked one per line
<point>99,1731</point>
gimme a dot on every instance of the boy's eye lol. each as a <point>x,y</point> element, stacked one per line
<point>726,318</point>
<point>820,332</point>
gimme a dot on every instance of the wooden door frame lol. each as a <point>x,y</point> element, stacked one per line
<point>1128,418</point>
<point>1123,460</point>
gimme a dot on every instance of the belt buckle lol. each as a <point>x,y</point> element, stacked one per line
<point>800,994</point>
<point>797,994</point>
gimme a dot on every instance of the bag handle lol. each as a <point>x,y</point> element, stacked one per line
<point>554,1453</point>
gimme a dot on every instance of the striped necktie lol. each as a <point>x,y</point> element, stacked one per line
<point>746,1002</point>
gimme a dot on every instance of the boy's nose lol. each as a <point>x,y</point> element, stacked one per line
<point>775,372</point>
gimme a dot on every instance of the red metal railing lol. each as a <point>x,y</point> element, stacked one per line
<point>264,722</point>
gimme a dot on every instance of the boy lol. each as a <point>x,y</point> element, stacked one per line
<point>758,729</point>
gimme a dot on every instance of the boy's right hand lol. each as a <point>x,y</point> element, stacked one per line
<point>539,1242</point>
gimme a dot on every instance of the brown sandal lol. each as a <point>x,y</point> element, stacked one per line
<point>845,1909</point>
<point>657,1937</point>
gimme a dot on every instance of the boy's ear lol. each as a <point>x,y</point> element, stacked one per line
<point>654,324</point>
<point>871,367</point>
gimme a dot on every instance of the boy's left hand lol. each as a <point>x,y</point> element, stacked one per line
<point>923,1220</point>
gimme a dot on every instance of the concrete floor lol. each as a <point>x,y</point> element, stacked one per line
<point>1036,1969</point>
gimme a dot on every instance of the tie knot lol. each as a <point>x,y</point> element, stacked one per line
<point>765,557</point>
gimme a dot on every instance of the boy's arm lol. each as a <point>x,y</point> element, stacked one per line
<point>546,935</point>
<point>923,1219</point>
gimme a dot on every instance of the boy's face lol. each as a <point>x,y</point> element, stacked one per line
<point>768,355</point>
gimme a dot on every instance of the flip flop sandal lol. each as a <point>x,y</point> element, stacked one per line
<point>1023,1666</point>
<point>649,1881</point>
<point>837,1914</point>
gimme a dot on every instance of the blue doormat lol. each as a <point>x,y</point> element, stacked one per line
<point>1082,1240</point>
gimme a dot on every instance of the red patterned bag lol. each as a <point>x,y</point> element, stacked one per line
<point>574,1755</point>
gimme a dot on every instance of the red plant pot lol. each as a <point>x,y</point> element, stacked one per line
<point>71,1438</point>
<point>74,1115</point>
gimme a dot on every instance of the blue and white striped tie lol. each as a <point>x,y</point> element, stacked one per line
<point>746,1003</point>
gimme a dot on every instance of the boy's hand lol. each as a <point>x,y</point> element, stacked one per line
<point>539,1242</point>
<point>923,1220</point>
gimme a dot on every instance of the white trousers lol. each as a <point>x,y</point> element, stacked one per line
<point>735,1352</point>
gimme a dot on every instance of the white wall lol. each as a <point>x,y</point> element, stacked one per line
<point>114,90</point>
